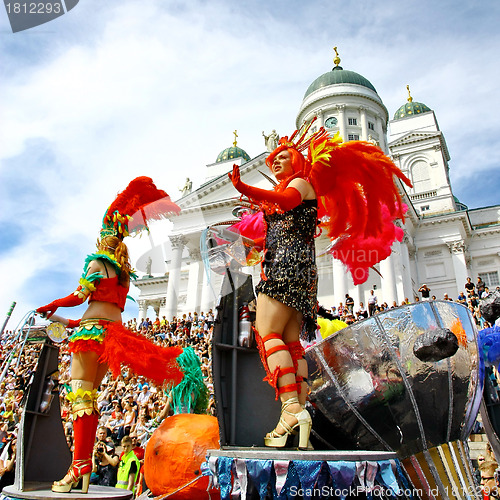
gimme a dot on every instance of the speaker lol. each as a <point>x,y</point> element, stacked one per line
<point>246,406</point>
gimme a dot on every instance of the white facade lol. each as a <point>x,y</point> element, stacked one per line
<point>443,243</point>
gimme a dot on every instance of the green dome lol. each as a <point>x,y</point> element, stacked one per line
<point>410,109</point>
<point>338,75</point>
<point>460,205</point>
<point>232,153</point>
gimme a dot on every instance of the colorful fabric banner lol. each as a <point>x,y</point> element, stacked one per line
<point>259,472</point>
<point>231,476</point>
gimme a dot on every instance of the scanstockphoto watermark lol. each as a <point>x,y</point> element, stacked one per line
<point>378,492</point>
<point>24,15</point>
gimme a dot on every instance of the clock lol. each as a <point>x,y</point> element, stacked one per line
<point>331,122</point>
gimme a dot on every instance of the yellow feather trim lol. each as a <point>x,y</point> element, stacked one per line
<point>110,256</point>
<point>87,284</point>
<point>321,150</point>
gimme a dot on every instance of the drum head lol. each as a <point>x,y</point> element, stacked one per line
<point>57,332</point>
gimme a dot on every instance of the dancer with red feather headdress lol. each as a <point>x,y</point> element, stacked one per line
<point>100,340</point>
<point>349,190</point>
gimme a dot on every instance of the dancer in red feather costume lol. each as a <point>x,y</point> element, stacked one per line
<point>100,341</point>
<point>350,191</point>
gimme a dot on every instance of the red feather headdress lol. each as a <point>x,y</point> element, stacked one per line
<point>140,202</point>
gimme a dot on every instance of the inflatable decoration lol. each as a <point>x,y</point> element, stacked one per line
<point>174,455</point>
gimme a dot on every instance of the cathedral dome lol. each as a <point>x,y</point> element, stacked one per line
<point>338,75</point>
<point>411,108</point>
<point>232,153</point>
<point>459,204</point>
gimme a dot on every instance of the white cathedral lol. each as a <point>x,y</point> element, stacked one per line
<point>444,242</point>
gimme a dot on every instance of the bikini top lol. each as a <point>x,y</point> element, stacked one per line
<point>110,290</point>
<point>105,289</point>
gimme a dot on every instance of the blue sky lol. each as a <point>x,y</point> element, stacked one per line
<point>112,90</point>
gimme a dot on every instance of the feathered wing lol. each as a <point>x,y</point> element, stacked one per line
<point>359,201</point>
<point>142,201</point>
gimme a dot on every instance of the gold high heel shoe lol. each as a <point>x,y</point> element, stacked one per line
<point>80,469</point>
<point>304,423</point>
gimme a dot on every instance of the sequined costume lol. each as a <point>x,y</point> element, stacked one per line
<point>289,267</point>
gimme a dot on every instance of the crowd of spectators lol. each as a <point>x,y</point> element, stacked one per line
<point>130,407</point>
<point>350,312</point>
<point>13,388</point>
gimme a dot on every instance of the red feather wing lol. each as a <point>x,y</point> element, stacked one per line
<point>355,185</point>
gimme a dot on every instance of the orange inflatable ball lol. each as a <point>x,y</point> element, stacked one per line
<point>174,455</point>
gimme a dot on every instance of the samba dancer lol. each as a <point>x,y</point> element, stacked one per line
<point>101,341</point>
<point>359,216</point>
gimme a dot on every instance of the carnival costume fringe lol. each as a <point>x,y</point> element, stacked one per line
<point>117,345</point>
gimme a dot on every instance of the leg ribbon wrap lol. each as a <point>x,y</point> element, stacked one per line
<point>83,398</point>
<point>297,352</point>
<point>272,377</point>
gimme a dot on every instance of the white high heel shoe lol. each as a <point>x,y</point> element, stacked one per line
<point>304,423</point>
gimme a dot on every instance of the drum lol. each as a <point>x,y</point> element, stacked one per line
<point>372,387</point>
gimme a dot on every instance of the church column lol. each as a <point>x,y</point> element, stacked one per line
<point>389,293</point>
<point>174,275</point>
<point>143,310</point>
<point>364,123</point>
<point>357,293</point>
<point>457,250</point>
<point>398,272</point>
<point>405,261</point>
<point>194,282</point>
<point>207,293</point>
<point>342,121</point>
<point>381,136</point>
<point>156,307</point>
<point>339,282</point>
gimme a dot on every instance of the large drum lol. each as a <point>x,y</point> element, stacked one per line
<point>373,387</point>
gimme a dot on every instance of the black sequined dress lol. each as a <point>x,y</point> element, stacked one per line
<point>289,266</point>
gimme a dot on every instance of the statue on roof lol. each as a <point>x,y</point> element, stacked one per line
<point>271,140</point>
<point>149,264</point>
<point>187,188</point>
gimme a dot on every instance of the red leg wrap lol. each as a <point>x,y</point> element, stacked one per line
<point>272,378</point>
<point>296,352</point>
<point>287,388</point>
<point>84,430</point>
<point>272,336</point>
<point>276,348</point>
